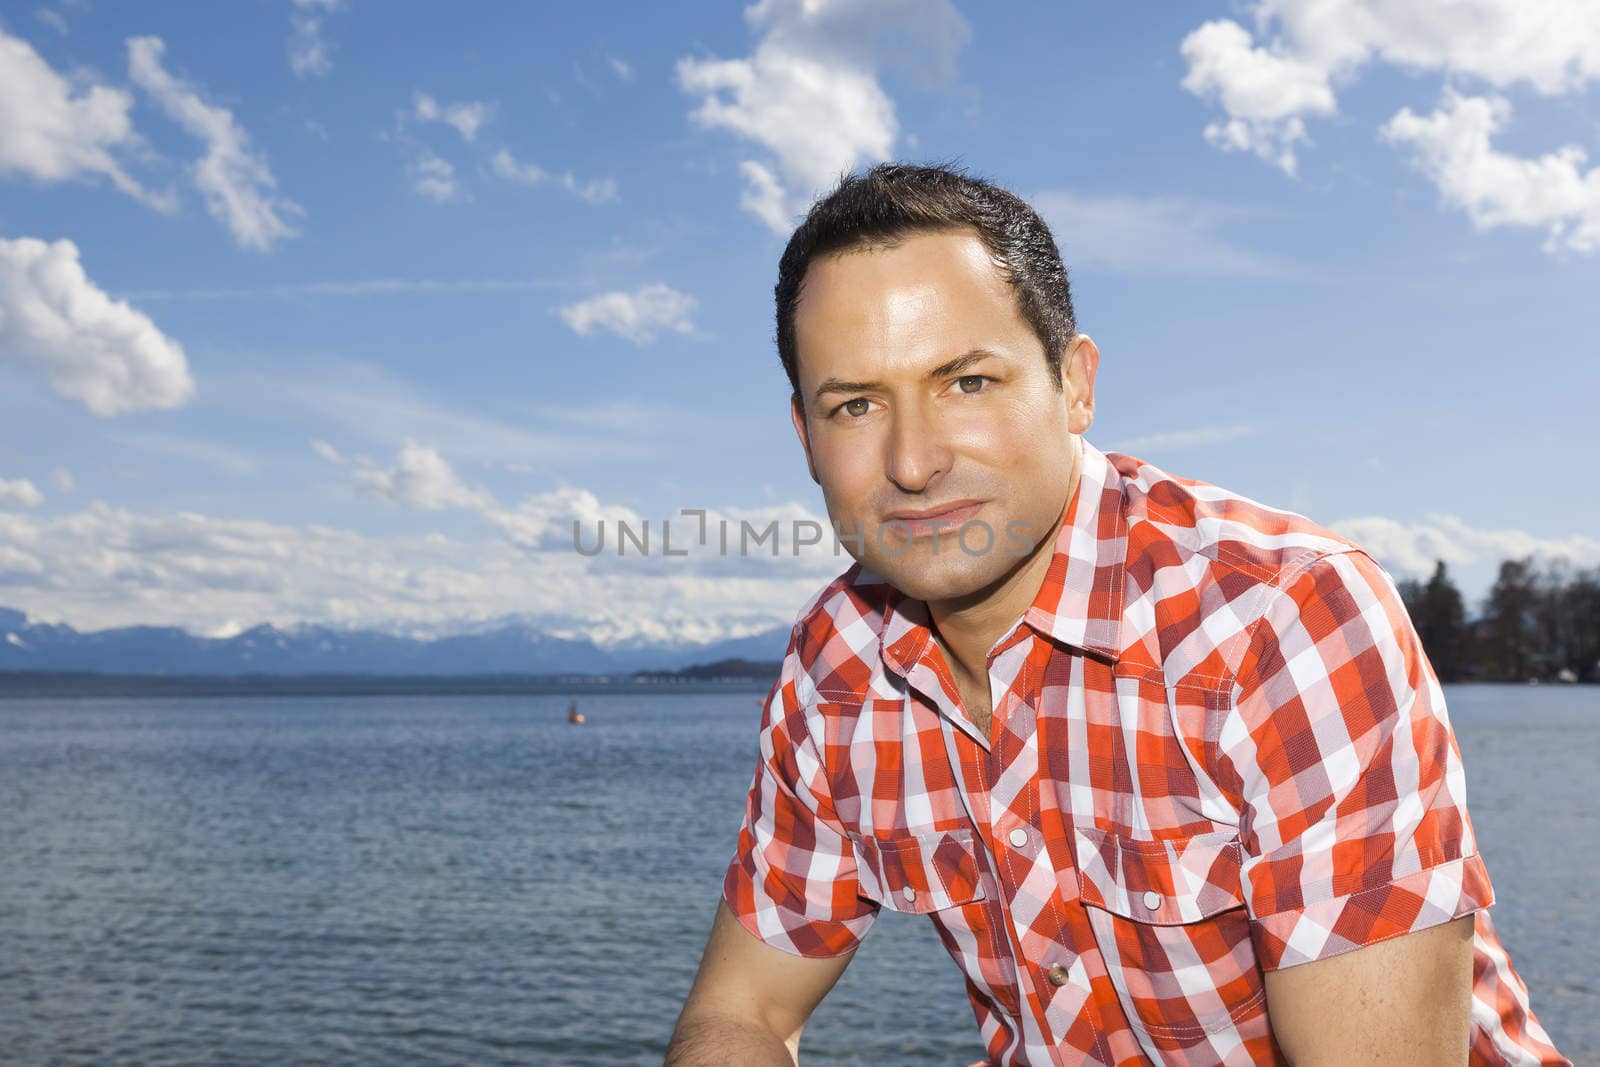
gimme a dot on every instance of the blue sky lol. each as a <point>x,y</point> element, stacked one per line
<point>342,312</point>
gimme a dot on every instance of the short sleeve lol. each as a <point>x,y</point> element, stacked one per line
<point>792,881</point>
<point>1338,752</point>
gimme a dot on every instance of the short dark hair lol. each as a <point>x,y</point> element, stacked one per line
<point>892,201</point>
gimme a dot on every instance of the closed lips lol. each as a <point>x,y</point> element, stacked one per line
<point>935,513</point>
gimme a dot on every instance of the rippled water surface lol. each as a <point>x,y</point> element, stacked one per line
<point>426,880</point>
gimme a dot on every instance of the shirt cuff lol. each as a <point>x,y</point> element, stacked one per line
<point>783,927</point>
<point>1412,902</point>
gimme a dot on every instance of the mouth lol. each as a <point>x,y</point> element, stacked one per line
<point>922,524</point>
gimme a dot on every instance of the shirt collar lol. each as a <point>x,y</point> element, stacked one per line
<point>1080,602</point>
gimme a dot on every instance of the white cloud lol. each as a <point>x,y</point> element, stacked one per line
<point>110,566</point>
<point>594,191</point>
<point>1410,549</point>
<point>466,116</point>
<point>63,480</point>
<point>818,120</point>
<point>15,565</point>
<point>621,68</point>
<point>1415,546</point>
<point>597,191</point>
<point>563,519</point>
<point>544,521</point>
<point>507,166</point>
<point>309,52</point>
<point>52,18</point>
<point>1267,90</point>
<point>98,351</point>
<point>434,178</point>
<point>732,543</point>
<point>1264,93</point>
<point>1309,48</point>
<point>809,94</point>
<point>19,493</point>
<point>637,316</point>
<point>52,131</point>
<point>1553,193</point>
<point>1552,45</point>
<point>237,185</point>
<point>420,479</point>
<point>764,197</point>
<point>1153,235</point>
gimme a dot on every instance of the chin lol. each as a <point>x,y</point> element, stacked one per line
<point>923,576</point>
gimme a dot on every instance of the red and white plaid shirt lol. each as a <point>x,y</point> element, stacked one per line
<point>1218,749</point>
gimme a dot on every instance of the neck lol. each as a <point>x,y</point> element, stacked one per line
<point>968,626</point>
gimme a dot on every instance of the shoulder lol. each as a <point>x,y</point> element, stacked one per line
<point>833,644</point>
<point>1198,518</point>
<point>1204,563</point>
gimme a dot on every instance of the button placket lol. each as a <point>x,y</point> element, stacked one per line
<point>1020,840</point>
<point>1009,769</point>
<point>1019,846</point>
<point>969,763</point>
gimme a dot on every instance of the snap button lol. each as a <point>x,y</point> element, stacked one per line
<point>909,893</point>
<point>1019,837</point>
<point>1152,899</point>
<point>1058,975</point>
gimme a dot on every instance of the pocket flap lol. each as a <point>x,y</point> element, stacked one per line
<point>1167,882</point>
<point>919,873</point>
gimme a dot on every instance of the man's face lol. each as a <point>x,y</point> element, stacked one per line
<point>924,388</point>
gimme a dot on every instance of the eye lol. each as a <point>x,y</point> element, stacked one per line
<point>972,378</point>
<point>848,408</point>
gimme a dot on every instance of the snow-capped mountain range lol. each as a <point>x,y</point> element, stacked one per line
<point>514,647</point>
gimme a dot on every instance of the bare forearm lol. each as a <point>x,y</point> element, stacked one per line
<point>713,1041</point>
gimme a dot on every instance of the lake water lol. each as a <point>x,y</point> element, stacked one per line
<point>431,880</point>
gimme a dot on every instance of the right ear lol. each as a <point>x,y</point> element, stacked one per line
<point>798,415</point>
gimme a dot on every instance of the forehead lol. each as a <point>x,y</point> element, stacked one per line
<point>914,302</point>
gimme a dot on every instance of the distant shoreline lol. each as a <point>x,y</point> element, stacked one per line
<point>33,684</point>
<point>26,684</point>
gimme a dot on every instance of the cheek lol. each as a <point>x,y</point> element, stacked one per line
<point>1005,437</point>
<point>846,469</point>
<point>991,439</point>
<point>1029,449</point>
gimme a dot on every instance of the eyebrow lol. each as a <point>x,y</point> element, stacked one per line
<point>839,385</point>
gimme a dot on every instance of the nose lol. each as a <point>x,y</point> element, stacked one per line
<point>918,453</point>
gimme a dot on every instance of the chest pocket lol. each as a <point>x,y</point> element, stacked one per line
<point>941,875</point>
<point>1169,918</point>
<point>918,873</point>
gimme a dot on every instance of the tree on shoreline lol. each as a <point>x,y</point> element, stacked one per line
<point>1441,621</point>
<point>1538,621</point>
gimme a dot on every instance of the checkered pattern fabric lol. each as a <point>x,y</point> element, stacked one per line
<point>1216,750</point>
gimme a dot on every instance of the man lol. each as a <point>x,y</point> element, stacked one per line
<point>1166,767</point>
